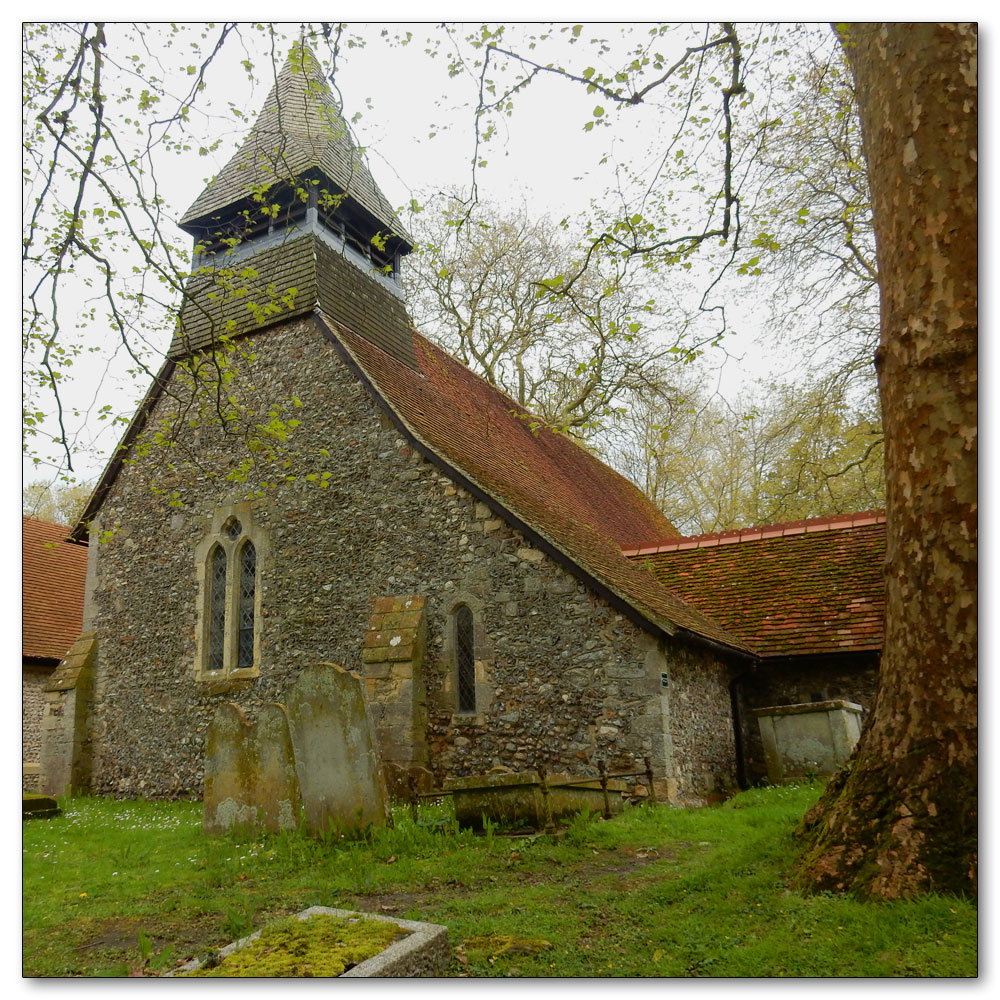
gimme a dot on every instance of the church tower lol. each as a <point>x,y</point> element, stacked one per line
<point>292,222</point>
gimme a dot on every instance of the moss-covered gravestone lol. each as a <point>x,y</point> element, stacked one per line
<point>342,787</point>
<point>250,776</point>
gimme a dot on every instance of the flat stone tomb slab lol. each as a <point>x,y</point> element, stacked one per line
<point>424,952</point>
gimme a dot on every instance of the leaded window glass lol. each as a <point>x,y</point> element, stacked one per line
<point>234,529</point>
<point>466,659</point>
<point>248,593</point>
<point>217,611</point>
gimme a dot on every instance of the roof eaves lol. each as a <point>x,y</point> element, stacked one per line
<point>785,529</point>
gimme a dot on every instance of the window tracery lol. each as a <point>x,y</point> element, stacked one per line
<point>229,563</point>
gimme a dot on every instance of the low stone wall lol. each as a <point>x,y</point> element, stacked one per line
<point>33,680</point>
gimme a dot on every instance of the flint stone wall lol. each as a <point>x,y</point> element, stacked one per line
<point>33,680</point>
<point>562,678</point>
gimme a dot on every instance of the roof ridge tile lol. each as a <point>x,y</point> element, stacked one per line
<point>781,529</point>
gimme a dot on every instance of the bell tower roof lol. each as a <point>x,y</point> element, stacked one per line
<point>300,146</point>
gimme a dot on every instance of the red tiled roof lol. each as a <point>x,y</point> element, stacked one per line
<point>564,494</point>
<point>53,573</point>
<point>805,587</point>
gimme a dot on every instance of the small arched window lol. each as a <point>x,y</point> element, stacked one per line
<point>465,656</point>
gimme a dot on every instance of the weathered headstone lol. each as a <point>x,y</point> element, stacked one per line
<point>342,787</point>
<point>279,800</point>
<point>250,776</point>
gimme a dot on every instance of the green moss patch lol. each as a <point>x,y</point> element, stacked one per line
<point>321,946</point>
<point>504,944</point>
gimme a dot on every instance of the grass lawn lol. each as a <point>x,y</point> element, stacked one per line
<point>113,888</point>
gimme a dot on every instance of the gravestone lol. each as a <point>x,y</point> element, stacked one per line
<point>342,786</point>
<point>250,776</point>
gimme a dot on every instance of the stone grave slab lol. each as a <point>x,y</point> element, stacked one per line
<point>423,952</point>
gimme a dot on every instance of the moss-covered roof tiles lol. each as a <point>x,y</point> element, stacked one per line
<point>807,587</point>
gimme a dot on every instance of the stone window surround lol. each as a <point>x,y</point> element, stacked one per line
<point>482,660</point>
<point>217,537</point>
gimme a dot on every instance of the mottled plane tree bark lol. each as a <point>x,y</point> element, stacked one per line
<point>902,818</point>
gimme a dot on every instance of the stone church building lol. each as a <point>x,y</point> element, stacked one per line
<point>507,598</point>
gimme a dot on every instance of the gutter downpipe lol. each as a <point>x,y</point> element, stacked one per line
<point>738,744</point>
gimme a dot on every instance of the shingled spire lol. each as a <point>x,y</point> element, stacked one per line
<point>298,198</point>
<point>300,144</point>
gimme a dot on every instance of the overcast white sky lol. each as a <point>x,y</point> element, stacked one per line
<point>541,156</point>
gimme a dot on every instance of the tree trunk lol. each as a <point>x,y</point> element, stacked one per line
<point>902,818</point>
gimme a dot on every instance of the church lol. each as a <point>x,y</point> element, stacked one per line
<point>309,479</point>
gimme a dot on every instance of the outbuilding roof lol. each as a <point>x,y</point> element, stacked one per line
<point>813,586</point>
<point>53,572</point>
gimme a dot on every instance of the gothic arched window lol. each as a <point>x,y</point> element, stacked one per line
<point>248,597</point>
<point>217,609</point>
<point>229,561</point>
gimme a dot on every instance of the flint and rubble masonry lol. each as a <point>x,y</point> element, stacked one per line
<point>562,678</point>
